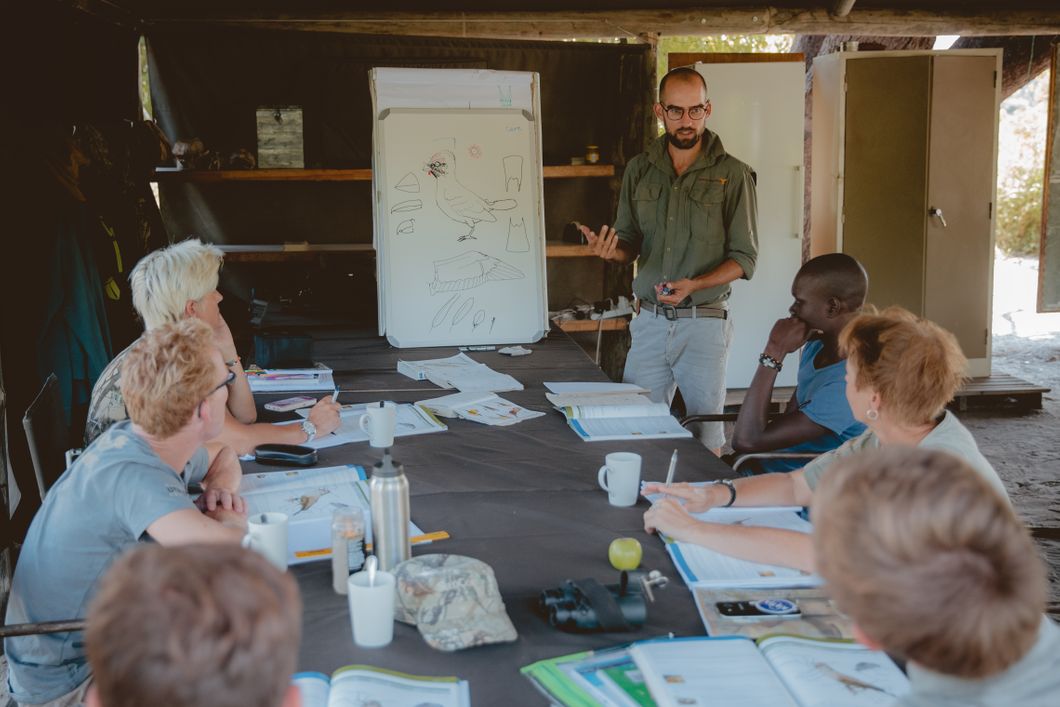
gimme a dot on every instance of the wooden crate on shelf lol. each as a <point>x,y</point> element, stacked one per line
<point>280,137</point>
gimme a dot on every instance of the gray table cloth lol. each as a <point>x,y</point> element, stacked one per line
<point>522,498</point>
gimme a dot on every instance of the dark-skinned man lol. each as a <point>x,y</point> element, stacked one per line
<point>829,291</point>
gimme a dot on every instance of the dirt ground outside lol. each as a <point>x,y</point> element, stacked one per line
<point>1025,447</point>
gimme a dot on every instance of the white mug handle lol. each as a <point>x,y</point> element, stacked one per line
<point>601,478</point>
<point>248,542</point>
<point>364,421</point>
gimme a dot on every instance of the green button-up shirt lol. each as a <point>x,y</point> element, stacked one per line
<point>687,226</point>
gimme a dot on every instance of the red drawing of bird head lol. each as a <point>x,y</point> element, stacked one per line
<point>440,164</point>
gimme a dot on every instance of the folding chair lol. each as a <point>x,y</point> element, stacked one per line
<point>741,459</point>
<point>47,435</point>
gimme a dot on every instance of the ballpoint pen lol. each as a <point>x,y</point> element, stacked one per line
<point>673,467</point>
<point>335,396</point>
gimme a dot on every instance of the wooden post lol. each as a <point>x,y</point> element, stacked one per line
<point>842,8</point>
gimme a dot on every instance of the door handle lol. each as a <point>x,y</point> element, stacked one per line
<point>937,213</point>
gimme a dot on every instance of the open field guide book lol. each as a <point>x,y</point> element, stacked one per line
<point>604,412</point>
<point>778,671</point>
<point>410,420</point>
<point>365,685</point>
<point>700,566</point>
<point>775,671</point>
<point>484,408</point>
<point>309,497</point>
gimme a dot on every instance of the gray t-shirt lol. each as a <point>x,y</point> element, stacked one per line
<point>948,436</point>
<point>100,507</point>
<point>1033,681</point>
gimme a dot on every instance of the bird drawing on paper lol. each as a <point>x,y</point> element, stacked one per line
<point>458,202</point>
<point>307,501</point>
<point>851,683</point>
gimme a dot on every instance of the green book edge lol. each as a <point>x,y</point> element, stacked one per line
<point>395,673</point>
<point>561,688</point>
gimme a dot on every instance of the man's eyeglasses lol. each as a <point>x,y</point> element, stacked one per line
<point>677,112</point>
<point>227,381</point>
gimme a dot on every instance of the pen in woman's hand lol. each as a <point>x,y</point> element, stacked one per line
<point>673,467</point>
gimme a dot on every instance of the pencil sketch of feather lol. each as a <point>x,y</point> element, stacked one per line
<point>470,269</point>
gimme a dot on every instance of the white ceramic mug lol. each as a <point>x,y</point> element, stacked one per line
<point>379,421</point>
<point>620,477</point>
<point>267,534</point>
<point>371,609</point>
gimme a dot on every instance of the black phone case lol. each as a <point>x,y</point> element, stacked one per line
<point>285,455</point>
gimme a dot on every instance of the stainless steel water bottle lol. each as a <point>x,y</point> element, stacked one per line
<point>390,513</point>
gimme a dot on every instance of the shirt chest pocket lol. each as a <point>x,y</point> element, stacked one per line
<point>705,218</point>
<point>646,204</point>
<point>708,192</point>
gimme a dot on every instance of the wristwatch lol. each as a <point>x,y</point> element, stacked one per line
<point>732,491</point>
<point>770,362</point>
<point>310,430</point>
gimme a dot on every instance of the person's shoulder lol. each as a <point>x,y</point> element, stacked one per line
<point>724,159</point>
<point>810,348</point>
<point>734,164</point>
<point>950,432</point>
<point>639,164</point>
<point>117,450</point>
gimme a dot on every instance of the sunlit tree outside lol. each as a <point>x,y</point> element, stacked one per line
<point>722,43</point>
<point>1021,168</point>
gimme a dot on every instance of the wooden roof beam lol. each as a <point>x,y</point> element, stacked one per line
<point>633,23</point>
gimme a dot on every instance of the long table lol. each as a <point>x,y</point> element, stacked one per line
<point>523,498</point>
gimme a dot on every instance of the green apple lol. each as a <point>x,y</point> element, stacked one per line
<point>625,553</point>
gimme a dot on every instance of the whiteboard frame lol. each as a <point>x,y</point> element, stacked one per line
<point>538,320</point>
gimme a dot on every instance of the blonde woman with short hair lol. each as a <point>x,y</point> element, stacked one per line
<point>938,569</point>
<point>180,282</point>
<point>901,373</point>
<point>129,486</point>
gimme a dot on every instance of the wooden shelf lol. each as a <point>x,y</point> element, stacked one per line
<point>275,253</point>
<point>566,171</point>
<point>568,250</point>
<point>207,176</point>
<point>577,325</point>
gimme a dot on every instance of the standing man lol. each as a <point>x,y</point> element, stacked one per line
<point>688,214</point>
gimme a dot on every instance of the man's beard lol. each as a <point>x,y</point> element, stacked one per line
<point>683,143</point>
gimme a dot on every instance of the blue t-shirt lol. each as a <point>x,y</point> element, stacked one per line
<point>821,395</point>
<point>100,507</point>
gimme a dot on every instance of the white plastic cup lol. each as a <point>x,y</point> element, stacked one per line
<point>379,422</point>
<point>267,534</point>
<point>620,477</point>
<point>371,609</point>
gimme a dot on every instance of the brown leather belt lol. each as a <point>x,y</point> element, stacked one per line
<point>671,312</point>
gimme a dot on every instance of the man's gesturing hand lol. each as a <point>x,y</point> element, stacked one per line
<point>604,244</point>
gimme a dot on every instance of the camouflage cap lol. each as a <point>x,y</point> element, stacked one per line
<point>453,600</point>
